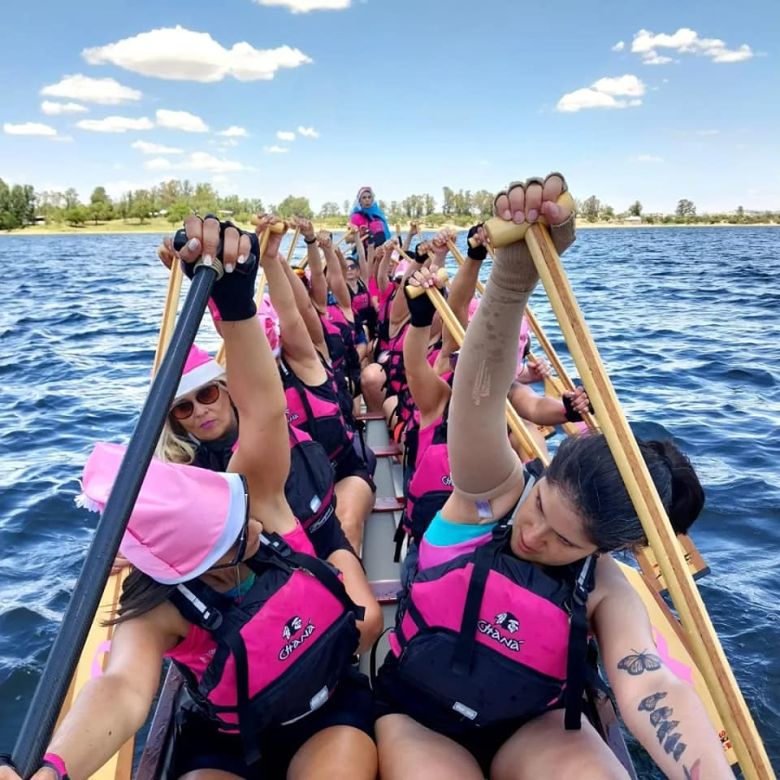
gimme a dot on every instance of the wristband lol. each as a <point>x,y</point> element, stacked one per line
<point>306,240</point>
<point>421,310</point>
<point>55,762</point>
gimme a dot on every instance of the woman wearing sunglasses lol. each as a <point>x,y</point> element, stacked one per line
<point>226,584</point>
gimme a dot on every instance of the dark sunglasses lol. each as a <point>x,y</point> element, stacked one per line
<point>242,537</point>
<point>351,267</point>
<point>206,396</point>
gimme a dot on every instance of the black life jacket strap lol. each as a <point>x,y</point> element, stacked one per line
<point>323,571</point>
<point>576,663</point>
<point>290,379</point>
<point>483,561</point>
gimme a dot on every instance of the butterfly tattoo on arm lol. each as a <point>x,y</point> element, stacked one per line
<point>639,662</point>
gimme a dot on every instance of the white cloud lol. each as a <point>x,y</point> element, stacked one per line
<point>145,147</point>
<point>51,108</point>
<point>29,128</point>
<point>234,131</point>
<point>308,132</point>
<point>115,124</point>
<point>615,92</point>
<point>648,158</point>
<point>203,161</point>
<point>685,41</point>
<point>180,120</point>
<point>227,143</point>
<point>285,135</point>
<point>275,149</point>
<point>180,54</point>
<point>158,164</point>
<point>107,92</point>
<point>305,6</point>
<point>619,46</point>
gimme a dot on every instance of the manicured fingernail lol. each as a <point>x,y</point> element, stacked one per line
<point>506,214</point>
<point>532,215</point>
<point>241,259</point>
<point>207,260</point>
<point>519,217</point>
<point>229,268</point>
<point>193,243</point>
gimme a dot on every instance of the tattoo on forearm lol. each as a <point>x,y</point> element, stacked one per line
<point>668,738</point>
<point>639,662</point>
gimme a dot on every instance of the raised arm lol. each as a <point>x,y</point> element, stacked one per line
<point>364,266</point>
<point>484,466</point>
<point>336,280</point>
<point>429,392</point>
<point>662,711</point>
<point>310,315</point>
<point>383,269</point>
<point>319,285</point>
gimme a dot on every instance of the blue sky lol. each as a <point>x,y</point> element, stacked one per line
<point>405,96</point>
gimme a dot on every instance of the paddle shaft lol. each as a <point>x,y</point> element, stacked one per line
<point>704,643</point>
<point>169,315</point>
<point>63,657</point>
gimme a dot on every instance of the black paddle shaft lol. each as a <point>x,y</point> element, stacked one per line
<point>63,658</point>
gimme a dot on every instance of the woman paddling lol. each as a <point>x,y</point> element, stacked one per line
<point>487,660</point>
<point>215,553</point>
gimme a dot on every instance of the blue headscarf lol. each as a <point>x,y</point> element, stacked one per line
<point>372,212</point>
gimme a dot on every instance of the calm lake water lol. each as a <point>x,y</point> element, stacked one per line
<point>687,322</point>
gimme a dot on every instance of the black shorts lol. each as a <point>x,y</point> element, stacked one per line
<point>199,745</point>
<point>393,696</point>
<point>326,534</point>
<point>350,464</point>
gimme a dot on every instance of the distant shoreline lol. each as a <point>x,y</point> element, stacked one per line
<point>156,228</point>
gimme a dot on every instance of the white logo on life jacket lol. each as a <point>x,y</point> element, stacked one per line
<point>291,416</point>
<point>446,480</point>
<point>506,621</point>
<point>291,628</point>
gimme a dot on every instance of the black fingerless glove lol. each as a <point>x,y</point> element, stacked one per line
<point>421,310</point>
<point>233,294</point>
<point>478,253</point>
<point>419,257</point>
<point>572,415</point>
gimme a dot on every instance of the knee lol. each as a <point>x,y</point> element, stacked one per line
<point>373,623</point>
<point>372,378</point>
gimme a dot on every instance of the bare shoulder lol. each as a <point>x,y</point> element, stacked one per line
<point>611,588</point>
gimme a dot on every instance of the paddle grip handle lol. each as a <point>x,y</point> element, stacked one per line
<point>501,232</point>
<point>64,655</point>
<point>413,291</point>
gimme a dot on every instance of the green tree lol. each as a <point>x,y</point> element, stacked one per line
<point>607,213</point>
<point>143,205</point>
<point>685,208</point>
<point>76,215</point>
<point>71,198</point>
<point>483,204</point>
<point>329,209</point>
<point>590,208</point>
<point>100,205</point>
<point>293,206</point>
<point>346,208</point>
<point>635,209</point>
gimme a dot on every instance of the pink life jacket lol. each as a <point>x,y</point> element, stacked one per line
<point>430,484</point>
<point>274,656</point>
<point>487,637</point>
<point>316,410</point>
<point>361,302</point>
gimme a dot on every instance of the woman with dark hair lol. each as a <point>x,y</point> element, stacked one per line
<point>488,657</point>
<point>226,584</point>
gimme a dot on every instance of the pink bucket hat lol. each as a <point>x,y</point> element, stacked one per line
<point>184,519</point>
<point>199,369</point>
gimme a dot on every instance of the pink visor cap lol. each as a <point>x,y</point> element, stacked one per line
<point>184,519</point>
<point>199,369</point>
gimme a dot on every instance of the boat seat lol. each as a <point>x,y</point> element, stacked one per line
<point>390,450</point>
<point>366,416</point>
<point>386,591</point>
<point>389,504</point>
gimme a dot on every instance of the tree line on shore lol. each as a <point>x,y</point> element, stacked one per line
<point>21,205</point>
